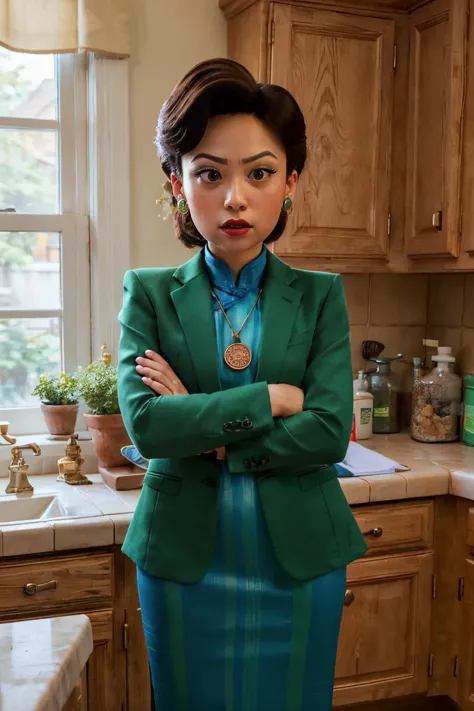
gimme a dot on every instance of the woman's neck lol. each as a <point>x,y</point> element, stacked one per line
<point>236,262</point>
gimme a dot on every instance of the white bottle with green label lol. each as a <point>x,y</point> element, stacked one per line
<point>363,407</point>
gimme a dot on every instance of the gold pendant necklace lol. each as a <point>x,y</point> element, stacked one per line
<point>237,356</point>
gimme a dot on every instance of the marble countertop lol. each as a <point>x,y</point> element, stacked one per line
<point>41,661</point>
<point>99,516</point>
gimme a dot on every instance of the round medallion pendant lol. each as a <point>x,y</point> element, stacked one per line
<point>238,356</point>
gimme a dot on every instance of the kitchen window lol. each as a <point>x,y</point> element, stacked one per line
<point>64,218</point>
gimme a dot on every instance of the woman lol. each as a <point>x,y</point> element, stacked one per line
<point>235,381</point>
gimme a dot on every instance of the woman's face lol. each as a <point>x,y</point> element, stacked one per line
<point>235,183</point>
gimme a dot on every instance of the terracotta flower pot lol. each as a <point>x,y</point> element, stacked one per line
<point>109,436</point>
<point>60,419</point>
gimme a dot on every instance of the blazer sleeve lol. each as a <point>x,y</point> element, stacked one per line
<point>320,434</point>
<point>180,425</point>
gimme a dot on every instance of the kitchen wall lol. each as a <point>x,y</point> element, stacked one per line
<point>401,310</point>
<point>167,38</point>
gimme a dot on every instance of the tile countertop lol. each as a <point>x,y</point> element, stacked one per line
<point>434,470</point>
<point>41,661</point>
<point>101,516</point>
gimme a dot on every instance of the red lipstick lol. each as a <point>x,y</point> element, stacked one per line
<point>236,228</point>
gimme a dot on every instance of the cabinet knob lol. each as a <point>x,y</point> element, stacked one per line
<point>349,598</point>
<point>33,588</point>
<point>375,532</point>
<point>437,220</point>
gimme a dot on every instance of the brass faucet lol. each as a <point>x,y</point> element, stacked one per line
<point>4,435</point>
<point>70,466</point>
<point>19,483</point>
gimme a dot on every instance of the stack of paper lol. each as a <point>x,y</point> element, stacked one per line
<point>360,461</point>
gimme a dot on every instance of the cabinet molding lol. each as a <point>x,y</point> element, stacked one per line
<point>231,8</point>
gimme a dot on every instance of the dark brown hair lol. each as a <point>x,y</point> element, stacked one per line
<point>219,87</point>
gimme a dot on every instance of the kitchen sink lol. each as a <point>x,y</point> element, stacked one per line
<point>17,508</point>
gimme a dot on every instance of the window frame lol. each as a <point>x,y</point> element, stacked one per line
<point>95,220</point>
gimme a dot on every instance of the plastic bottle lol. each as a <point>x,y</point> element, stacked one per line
<point>363,407</point>
<point>437,401</point>
<point>468,424</point>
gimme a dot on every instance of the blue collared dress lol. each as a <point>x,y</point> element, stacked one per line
<point>246,637</point>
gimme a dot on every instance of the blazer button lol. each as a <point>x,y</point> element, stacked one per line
<point>237,426</point>
<point>257,461</point>
<point>247,424</point>
<point>265,459</point>
<point>228,427</point>
<point>248,464</point>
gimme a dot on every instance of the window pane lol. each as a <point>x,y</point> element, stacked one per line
<point>28,85</point>
<point>29,171</point>
<point>28,347</point>
<point>30,270</point>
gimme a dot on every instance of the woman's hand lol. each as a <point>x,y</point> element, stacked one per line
<point>285,399</point>
<point>158,375</point>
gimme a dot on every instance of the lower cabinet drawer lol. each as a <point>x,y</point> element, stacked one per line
<point>48,583</point>
<point>397,526</point>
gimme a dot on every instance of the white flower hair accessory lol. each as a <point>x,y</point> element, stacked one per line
<point>165,202</point>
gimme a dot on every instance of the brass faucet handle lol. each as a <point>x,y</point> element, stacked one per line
<point>17,451</point>
<point>4,434</point>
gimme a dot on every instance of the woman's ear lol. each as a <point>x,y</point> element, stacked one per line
<point>291,185</point>
<point>177,186</point>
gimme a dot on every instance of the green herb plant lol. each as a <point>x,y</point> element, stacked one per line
<point>97,386</point>
<point>57,390</point>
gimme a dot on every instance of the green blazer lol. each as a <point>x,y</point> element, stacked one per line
<point>304,342</point>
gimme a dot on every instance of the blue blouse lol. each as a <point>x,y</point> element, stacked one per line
<point>237,300</point>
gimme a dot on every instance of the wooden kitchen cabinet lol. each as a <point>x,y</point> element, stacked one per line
<point>438,33</point>
<point>339,67</point>
<point>385,634</point>
<point>138,676</point>
<point>70,585</point>
<point>464,695</point>
<point>465,685</point>
<point>384,86</point>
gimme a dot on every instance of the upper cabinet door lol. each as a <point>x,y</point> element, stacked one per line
<point>339,67</point>
<point>437,86</point>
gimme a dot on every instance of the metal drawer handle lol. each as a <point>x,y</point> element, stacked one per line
<point>349,598</point>
<point>437,220</point>
<point>33,588</point>
<point>375,532</point>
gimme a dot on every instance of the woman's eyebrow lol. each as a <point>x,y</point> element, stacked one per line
<point>224,161</point>
<point>216,159</point>
<point>251,159</point>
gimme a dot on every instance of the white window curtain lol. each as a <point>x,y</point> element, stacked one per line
<point>57,26</point>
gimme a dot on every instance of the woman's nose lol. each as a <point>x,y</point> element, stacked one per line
<point>235,198</point>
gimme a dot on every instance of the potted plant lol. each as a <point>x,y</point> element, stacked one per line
<point>59,403</point>
<point>97,386</point>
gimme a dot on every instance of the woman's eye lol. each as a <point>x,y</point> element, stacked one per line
<point>260,174</point>
<point>209,175</point>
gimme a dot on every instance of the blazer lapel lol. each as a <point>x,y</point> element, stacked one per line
<point>280,303</point>
<point>193,303</point>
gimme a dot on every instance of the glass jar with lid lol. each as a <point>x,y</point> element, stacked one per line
<point>385,387</point>
<point>436,401</point>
